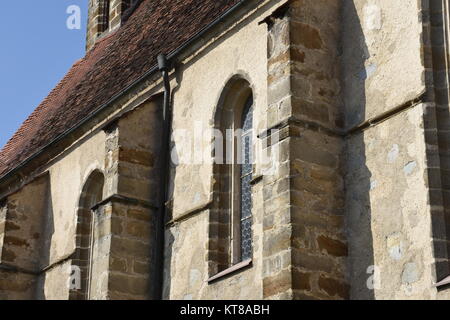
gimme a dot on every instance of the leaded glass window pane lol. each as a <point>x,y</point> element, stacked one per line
<point>246,178</point>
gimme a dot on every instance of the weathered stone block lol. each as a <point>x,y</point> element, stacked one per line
<point>305,35</point>
<point>334,247</point>
<point>277,284</point>
<point>133,285</point>
<point>301,280</point>
<point>124,247</point>
<point>313,262</point>
<point>333,287</point>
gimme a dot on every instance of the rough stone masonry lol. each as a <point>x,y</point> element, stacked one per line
<point>350,99</point>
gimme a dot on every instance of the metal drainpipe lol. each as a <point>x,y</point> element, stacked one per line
<point>158,278</point>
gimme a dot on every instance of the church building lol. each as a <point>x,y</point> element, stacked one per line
<point>237,149</point>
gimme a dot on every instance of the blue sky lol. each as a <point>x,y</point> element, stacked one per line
<point>37,49</point>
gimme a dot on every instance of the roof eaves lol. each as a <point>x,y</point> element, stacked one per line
<point>152,70</point>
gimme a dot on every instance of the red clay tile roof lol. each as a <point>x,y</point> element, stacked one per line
<point>157,26</point>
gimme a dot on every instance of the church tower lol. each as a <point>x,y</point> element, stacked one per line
<point>105,16</point>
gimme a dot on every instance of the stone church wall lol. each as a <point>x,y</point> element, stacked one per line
<point>355,208</point>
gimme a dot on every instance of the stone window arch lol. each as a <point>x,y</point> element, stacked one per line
<point>230,229</point>
<point>92,194</point>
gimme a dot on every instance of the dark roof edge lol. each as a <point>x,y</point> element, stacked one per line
<point>154,69</point>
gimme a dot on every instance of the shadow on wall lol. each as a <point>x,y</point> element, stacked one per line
<point>48,230</point>
<point>357,175</point>
<point>169,246</point>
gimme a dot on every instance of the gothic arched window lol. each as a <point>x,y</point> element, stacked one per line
<point>91,195</point>
<point>230,230</point>
<point>105,6</point>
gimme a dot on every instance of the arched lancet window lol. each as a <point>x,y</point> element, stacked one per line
<point>105,6</point>
<point>230,230</point>
<point>91,195</point>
